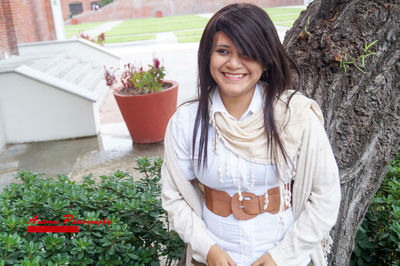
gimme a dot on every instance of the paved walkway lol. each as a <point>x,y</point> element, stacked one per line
<point>102,28</point>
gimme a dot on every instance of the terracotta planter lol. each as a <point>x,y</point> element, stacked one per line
<point>147,115</point>
<point>159,14</point>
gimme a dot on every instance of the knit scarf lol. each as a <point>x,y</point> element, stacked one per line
<point>247,139</point>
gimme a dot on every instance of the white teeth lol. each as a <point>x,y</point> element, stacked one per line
<point>237,76</point>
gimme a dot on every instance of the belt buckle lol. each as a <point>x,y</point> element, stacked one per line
<point>249,204</point>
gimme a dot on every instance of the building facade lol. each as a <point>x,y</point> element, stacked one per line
<point>129,9</point>
<point>75,7</point>
<point>24,21</point>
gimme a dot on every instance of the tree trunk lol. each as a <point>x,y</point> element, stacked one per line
<point>362,110</point>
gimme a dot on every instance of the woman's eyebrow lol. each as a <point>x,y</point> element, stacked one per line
<point>223,45</point>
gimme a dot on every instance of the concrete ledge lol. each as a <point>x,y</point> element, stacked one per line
<point>74,48</point>
<point>56,83</point>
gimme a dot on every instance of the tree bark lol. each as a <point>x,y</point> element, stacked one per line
<point>362,110</point>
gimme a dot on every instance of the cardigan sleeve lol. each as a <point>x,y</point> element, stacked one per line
<point>181,133</point>
<point>182,202</point>
<point>320,207</point>
<point>189,226</point>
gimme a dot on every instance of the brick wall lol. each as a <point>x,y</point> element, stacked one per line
<point>33,20</point>
<point>8,37</point>
<point>86,6</point>
<point>24,21</point>
<point>45,25</point>
<point>128,9</point>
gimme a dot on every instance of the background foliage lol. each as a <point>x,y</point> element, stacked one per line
<point>378,238</point>
<point>138,234</point>
<point>105,2</point>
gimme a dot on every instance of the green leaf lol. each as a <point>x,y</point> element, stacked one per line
<point>371,53</point>
<point>81,255</point>
<point>370,45</point>
<point>358,68</point>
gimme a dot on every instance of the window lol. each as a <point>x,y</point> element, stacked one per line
<point>75,8</point>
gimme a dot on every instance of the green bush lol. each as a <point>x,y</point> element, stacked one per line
<point>138,233</point>
<point>378,238</point>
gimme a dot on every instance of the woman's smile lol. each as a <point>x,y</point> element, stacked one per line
<point>231,76</point>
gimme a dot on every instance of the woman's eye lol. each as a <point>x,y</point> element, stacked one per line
<point>222,51</point>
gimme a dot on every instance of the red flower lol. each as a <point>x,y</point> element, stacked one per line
<point>110,77</point>
<point>156,63</point>
<point>101,37</point>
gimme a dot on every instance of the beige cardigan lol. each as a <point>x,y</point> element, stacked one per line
<point>316,195</point>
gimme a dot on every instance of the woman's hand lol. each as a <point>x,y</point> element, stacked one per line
<point>264,260</point>
<point>218,257</point>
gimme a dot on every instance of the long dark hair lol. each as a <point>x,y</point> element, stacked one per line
<point>254,35</point>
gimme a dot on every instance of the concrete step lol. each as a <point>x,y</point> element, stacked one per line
<point>83,76</point>
<point>63,67</point>
<point>48,62</point>
<point>76,74</point>
<point>74,48</point>
<point>99,83</point>
<point>101,90</point>
<point>90,80</point>
<point>16,61</point>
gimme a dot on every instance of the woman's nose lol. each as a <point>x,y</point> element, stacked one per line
<point>235,61</point>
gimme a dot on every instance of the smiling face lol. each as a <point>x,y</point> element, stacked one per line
<point>235,74</point>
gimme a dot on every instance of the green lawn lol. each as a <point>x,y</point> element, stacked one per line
<point>74,30</point>
<point>281,16</point>
<point>284,17</point>
<point>140,37</point>
<point>189,35</point>
<point>187,28</point>
<point>282,10</point>
<point>153,25</point>
<point>286,24</point>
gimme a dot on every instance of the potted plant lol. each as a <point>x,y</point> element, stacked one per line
<point>145,99</point>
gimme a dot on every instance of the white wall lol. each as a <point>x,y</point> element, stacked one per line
<point>2,136</point>
<point>34,111</point>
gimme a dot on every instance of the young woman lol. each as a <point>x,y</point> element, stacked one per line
<point>249,177</point>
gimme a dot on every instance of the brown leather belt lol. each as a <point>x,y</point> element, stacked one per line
<point>220,203</point>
